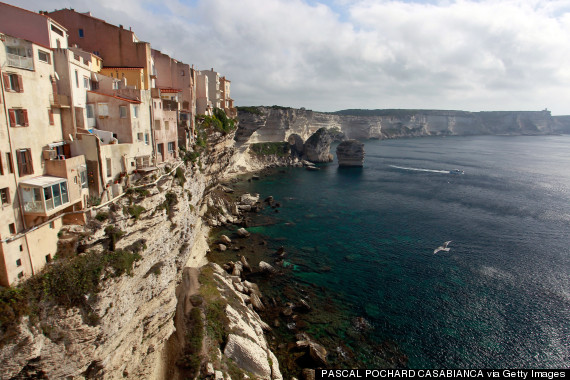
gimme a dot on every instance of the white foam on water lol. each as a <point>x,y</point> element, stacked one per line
<point>421,170</point>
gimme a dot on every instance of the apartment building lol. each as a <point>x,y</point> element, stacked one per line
<point>40,180</point>
<point>118,47</point>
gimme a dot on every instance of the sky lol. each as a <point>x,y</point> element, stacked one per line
<point>472,55</point>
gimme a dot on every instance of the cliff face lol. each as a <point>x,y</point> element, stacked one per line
<point>278,124</point>
<point>135,334</point>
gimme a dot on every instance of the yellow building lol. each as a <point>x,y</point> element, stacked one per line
<point>133,75</point>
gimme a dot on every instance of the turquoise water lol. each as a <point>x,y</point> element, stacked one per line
<point>499,298</point>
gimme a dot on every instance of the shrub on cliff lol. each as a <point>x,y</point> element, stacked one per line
<point>250,109</point>
<point>281,149</point>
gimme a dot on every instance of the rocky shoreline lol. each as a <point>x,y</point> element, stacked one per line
<point>307,327</point>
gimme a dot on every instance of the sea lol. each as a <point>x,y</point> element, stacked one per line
<point>360,246</point>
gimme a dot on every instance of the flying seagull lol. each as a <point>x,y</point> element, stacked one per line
<point>443,247</point>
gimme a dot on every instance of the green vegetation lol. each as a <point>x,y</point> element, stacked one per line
<point>102,216</point>
<point>191,156</point>
<point>114,235</point>
<point>219,121</point>
<point>170,201</point>
<point>280,149</point>
<point>215,305</point>
<point>136,211</point>
<point>68,282</point>
<point>191,358</point>
<point>179,175</point>
<point>251,109</point>
<point>276,107</point>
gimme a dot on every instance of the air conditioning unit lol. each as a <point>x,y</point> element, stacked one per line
<point>50,154</point>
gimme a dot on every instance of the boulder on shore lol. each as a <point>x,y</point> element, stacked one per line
<point>350,153</point>
<point>242,232</point>
<point>317,147</point>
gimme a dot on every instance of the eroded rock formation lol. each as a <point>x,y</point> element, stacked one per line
<point>317,147</point>
<point>350,153</point>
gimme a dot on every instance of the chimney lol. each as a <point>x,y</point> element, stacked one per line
<point>121,26</point>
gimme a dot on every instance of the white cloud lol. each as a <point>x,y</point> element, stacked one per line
<point>472,55</point>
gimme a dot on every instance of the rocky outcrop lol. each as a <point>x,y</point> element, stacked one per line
<point>246,344</point>
<point>350,153</point>
<point>296,145</point>
<point>277,124</point>
<point>317,147</point>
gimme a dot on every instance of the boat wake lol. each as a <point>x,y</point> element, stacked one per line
<point>421,170</point>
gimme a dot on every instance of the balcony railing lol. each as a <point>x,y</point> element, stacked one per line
<point>14,60</point>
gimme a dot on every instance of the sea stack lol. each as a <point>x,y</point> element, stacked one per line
<point>350,153</point>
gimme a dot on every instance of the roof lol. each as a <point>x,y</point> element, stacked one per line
<point>42,181</point>
<point>122,68</point>
<point>117,97</point>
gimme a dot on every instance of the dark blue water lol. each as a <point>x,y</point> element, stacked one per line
<point>499,298</point>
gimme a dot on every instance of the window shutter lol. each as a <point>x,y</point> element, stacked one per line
<point>12,114</point>
<point>6,79</point>
<point>25,115</point>
<point>20,84</point>
<point>20,164</point>
<point>50,114</point>
<point>29,161</point>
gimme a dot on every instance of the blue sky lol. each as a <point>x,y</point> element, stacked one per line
<point>336,54</point>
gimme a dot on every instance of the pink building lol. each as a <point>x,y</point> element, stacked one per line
<point>117,46</point>
<point>176,82</point>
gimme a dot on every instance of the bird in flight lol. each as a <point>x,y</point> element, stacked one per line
<point>443,247</point>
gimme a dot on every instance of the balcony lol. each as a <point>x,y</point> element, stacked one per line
<point>26,63</point>
<point>44,195</point>
<point>59,101</point>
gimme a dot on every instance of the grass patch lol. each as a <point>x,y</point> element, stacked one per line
<point>281,149</point>
<point>191,357</point>
<point>171,200</point>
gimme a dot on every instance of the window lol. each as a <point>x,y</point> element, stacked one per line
<point>21,248</point>
<point>83,177</point>
<point>9,163</point>
<point>55,195</point>
<point>135,111</point>
<point>81,34</point>
<point>13,82</point>
<point>1,166</point>
<point>18,117</point>
<point>12,228</point>
<point>115,85</point>
<point>160,149</point>
<point>86,83</point>
<point>146,139</point>
<point>76,79</point>
<point>19,262</point>
<point>25,165</point>
<point>171,147</point>
<point>48,258</point>
<point>21,274</point>
<point>44,56</point>
<point>122,112</point>
<point>166,124</point>
<point>139,136</point>
<point>57,30</point>
<point>109,169</point>
<point>89,110</point>
<point>102,109</point>
<point>52,225</point>
<point>50,116</point>
<point>5,195</point>
<point>157,124</point>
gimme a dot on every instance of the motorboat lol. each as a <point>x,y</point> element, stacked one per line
<point>456,171</point>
